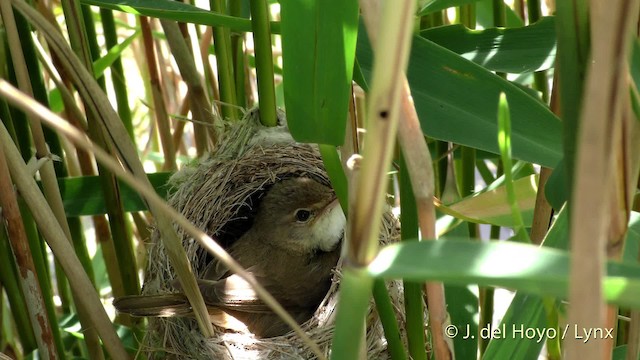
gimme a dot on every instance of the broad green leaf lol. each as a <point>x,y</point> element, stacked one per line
<point>528,268</point>
<point>456,101</point>
<point>83,195</point>
<point>492,207</point>
<point>462,306</point>
<point>511,50</point>
<point>178,11</point>
<point>573,33</point>
<point>555,190</point>
<point>527,310</point>
<point>318,50</point>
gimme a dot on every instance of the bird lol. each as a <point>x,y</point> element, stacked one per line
<point>291,248</point>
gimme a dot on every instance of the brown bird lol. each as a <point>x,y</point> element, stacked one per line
<point>290,249</point>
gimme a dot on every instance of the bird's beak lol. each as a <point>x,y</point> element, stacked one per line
<point>331,207</point>
<point>330,225</point>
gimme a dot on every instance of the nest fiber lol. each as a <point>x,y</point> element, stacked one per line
<point>219,194</point>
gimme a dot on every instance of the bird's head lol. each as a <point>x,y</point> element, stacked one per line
<point>301,215</point>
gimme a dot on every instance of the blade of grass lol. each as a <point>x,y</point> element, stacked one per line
<point>389,322</point>
<point>524,267</point>
<point>573,51</point>
<point>264,61</point>
<point>178,11</point>
<point>332,163</point>
<point>413,306</point>
<point>318,58</point>
<point>224,60</point>
<point>504,144</point>
<point>114,50</point>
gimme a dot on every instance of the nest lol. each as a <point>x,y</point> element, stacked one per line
<point>219,194</point>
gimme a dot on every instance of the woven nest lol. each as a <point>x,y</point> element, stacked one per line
<point>219,194</point>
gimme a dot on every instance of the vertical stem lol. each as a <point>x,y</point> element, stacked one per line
<point>542,212</point>
<point>595,204</point>
<point>533,10</point>
<point>239,58</point>
<point>117,72</point>
<point>469,181</point>
<point>468,19</point>
<point>16,298</point>
<point>224,59</point>
<point>442,165</point>
<point>499,13</point>
<point>413,305</point>
<point>26,268</point>
<point>200,105</point>
<point>633,349</point>
<point>161,115</point>
<point>264,61</point>
<point>468,15</point>
<point>539,77</point>
<point>390,323</point>
<point>486,297</point>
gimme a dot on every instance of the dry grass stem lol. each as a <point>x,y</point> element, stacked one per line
<point>600,124</point>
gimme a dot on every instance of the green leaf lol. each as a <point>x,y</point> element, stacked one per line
<point>510,50</point>
<point>527,310</point>
<point>504,143</point>
<point>527,268</point>
<point>462,306</point>
<point>555,189</point>
<point>331,161</point>
<point>492,207</point>
<point>83,195</point>
<point>101,64</point>
<point>318,51</point>
<point>456,98</point>
<point>573,32</point>
<point>178,11</point>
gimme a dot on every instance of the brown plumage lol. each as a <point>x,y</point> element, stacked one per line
<point>290,249</point>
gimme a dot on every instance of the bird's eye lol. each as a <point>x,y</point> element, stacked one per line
<point>303,215</point>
